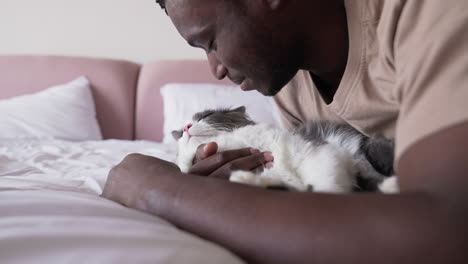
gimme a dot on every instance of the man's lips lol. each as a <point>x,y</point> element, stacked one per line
<point>238,81</point>
<point>244,86</point>
<point>242,82</point>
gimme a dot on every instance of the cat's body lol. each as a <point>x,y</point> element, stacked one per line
<point>322,157</point>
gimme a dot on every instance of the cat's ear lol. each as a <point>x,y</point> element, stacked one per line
<point>177,134</point>
<point>239,110</point>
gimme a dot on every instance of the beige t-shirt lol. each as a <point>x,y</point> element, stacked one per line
<point>407,72</point>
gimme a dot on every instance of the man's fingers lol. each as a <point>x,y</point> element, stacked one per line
<point>249,163</point>
<point>205,150</point>
<point>210,149</point>
<point>216,161</point>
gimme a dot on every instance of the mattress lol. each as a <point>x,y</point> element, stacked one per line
<point>51,211</point>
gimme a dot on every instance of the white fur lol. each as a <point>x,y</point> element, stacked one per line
<point>389,185</point>
<point>298,164</point>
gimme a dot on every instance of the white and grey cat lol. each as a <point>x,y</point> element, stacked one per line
<point>320,157</point>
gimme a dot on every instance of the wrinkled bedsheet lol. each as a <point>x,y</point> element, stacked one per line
<point>51,212</point>
<point>70,166</point>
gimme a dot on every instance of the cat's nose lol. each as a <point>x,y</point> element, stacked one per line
<point>187,127</point>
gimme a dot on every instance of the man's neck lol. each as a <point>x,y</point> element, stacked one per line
<point>327,86</point>
<point>326,48</point>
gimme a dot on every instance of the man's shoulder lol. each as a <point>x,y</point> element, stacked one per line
<point>411,13</point>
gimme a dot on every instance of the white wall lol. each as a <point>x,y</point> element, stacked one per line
<point>136,30</point>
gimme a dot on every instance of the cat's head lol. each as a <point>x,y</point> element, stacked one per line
<point>211,123</point>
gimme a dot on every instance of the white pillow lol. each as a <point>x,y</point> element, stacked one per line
<point>61,112</point>
<point>181,101</point>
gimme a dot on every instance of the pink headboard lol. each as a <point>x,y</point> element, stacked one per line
<point>127,95</point>
<point>113,83</point>
<point>149,108</point>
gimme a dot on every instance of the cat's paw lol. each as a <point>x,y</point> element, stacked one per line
<point>184,163</point>
<point>245,177</point>
<point>389,185</point>
<point>184,167</point>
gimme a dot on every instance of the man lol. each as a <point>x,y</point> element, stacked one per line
<point>397,68</point>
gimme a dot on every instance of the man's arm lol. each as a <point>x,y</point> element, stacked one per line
<point>426,223</point>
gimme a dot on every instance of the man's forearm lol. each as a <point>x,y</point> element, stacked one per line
<point>286,227</point>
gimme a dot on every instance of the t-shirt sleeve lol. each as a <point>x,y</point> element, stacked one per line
<point>431,64</point>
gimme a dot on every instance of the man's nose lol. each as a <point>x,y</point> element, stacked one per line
<point>217,68</point>
<point>221,72</point>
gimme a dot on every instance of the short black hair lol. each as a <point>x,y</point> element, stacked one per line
<point>162,3</point>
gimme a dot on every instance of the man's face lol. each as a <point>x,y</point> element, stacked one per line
<point>250,47</point>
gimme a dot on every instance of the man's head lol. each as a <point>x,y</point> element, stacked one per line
<point>258,44</point>
<point>162,3</point>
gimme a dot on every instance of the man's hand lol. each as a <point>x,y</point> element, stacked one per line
<point>208,162</point>
<point>130,179</point>
<point>426,223</point>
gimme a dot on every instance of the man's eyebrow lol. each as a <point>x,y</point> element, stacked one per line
<point>192,39</point>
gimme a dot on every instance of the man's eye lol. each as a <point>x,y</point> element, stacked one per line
<point>212,46</point>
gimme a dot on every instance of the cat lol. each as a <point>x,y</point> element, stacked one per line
<point>318,156</point>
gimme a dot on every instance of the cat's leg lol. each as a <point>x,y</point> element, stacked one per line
<point>328,170</point>
<point>366,170</point>
<point>251,178</point>
<point>246,177</point>
<point>369,178</point>
<point>284,178</point>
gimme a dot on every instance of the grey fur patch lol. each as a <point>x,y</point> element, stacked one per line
<point>321,130</point>
<point>380,153</point>
<point>225,119</point>
<point>375,156</point>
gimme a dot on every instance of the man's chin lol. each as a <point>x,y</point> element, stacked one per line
<point>264,89</point>
<point>269,90</point>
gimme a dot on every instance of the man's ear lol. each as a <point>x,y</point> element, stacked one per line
<point>263,5</point>
<point>273,4</point>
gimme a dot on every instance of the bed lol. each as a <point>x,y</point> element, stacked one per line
<point>64,122</point>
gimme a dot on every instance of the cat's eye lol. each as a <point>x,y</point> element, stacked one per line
<point>207,114</point>
<point>201,117</point>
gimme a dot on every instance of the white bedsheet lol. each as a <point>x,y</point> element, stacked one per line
<point>50,211</point>
<point>64,165</point>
